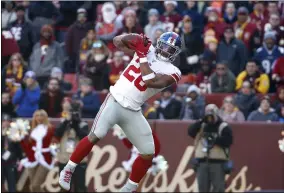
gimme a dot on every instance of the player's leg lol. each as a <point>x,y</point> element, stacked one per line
<point>105,119</point>
<point>139,133</point>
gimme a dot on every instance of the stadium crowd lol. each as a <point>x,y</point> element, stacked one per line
<point>55,53</point>
<point>228,47</point>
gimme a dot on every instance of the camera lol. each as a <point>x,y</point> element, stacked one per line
<point>209,118</point>
<point>208,141</point>
<point>75,111</point>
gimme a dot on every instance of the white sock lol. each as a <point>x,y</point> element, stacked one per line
<point>71,164</point>
<point>130,186</point>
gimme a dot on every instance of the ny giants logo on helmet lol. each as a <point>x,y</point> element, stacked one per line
<point>168,46</point>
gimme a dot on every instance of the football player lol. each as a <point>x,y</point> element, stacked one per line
<point>150,71</point>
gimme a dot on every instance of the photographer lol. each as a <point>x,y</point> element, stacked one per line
<point>69,132</point>
<point>213,137</point>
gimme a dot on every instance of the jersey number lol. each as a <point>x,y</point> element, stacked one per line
<point>138,82</point>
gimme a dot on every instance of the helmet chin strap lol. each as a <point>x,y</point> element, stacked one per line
<point>162,58</point>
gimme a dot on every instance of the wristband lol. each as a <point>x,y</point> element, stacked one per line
<point>143,60</point>
<point>148,76</point>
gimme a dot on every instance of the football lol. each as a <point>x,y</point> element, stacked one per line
<point>133,39</point>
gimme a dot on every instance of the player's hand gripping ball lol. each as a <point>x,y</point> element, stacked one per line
<point>139,43</point>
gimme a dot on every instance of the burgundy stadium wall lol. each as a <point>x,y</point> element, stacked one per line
<point>259,164</point>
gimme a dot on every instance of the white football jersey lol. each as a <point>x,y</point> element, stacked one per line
<point>130,91</point>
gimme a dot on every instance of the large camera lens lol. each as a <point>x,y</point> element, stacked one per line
<point>209,118</point>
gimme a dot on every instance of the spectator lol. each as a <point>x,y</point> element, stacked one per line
<point>51,98</point>
<point>279,102</point>
<point>116,67</point>
<point>223,80</point>
<point>27,97</point>
<point>278,72</point>
<point>96,67</point>
<point>170,16</point>
<point>233,51</point>
<point>109,27</point>
<point>230,14</point>
<point>10,155</point>
<point>38,161</point>
<point>169,107</point>
<point>46,54</point>
<point>89,100</point>
<point>259,80</point>
<point>140,10</point>
<point>7,105</point>
<point>258,15</point>
<point>58,74</point>
<point>86,46</point>
<point>246,100</point>
<point>130,24</point>
<point>215,24</point>
<point>13,74</point>
<point>67,16</point>
<point>66,106</point>
<point>41,13</point>
<point>69,132</point>
<point>75,33</point>
<point>272,8</point>
<point>192,46</point>
<point>229,112</point>
<point>151,112</point>
<point>119,6</point>
<point>206,70</point>
<point>158,33</point>
<point>8,15</point>
<point>211,48</point>
<point>281,116</point>
<point>153,25</point>
<point>11,47</point>
<point>23,33</point>
<point>268,54</point>
<point>275,26</point>
<point>192,11</point>
<point>247,31</point>
<point>264,112</point>
<point>193,104</point>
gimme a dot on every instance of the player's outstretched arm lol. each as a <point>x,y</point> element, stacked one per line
<point>121,43</point>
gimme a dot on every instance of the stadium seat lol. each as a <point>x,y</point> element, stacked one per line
<point>71,78</point>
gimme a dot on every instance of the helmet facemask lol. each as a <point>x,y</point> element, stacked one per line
<point>166,52</point>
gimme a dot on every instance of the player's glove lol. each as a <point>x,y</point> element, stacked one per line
<point>141,45</point>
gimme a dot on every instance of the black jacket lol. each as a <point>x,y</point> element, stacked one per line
<point>246,103</point>
<point>225,140</point>
<point>81,130</point>
<point>23,33</point>
<point>235,53</point>
<point>192,45</point>
<point>13,147</point>
<point>9,109</point>
<point>172,110</point>
<point>45,103</point>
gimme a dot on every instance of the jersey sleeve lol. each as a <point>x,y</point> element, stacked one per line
<point>176,75</point>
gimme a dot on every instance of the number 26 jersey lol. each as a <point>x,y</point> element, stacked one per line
<point>130,91</point>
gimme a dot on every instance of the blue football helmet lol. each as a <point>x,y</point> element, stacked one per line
<point>168,46</point>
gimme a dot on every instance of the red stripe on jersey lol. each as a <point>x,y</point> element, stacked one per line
<point>175,77</point>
